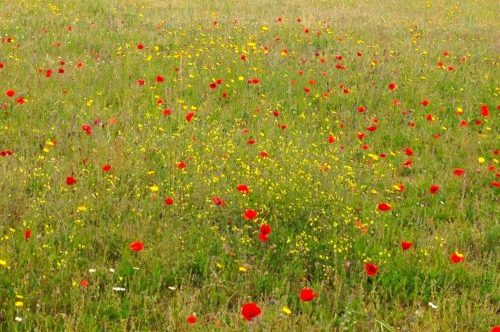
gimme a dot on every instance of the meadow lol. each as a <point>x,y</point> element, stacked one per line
<point>244,165</point>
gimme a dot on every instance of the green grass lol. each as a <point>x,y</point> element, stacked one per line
<point>319,198</point>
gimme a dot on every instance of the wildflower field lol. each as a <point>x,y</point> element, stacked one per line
<point>284,165</point>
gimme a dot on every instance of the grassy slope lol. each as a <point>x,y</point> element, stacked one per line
<point>311,192</point>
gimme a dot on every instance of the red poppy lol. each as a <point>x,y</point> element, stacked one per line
<point>361,109</point>
<point>384,207</point>
<point>263,154</point>
<point>189,116</point>
<point>425,102</point>
<point>140,82</point>
<point>307,295</point>
<point>331,139</point>
<point>218,201</point>
<point>457,257</point>
<point>27,233</point>
<point>136,246</point>
<point>408,163</point>
<point>243,188</point>
<point>106,168</point>
<point>213,85</point>
<point>167,112</point>
<point>48,73</point>
<point>168,201</point>
<point>140,46</point>
<point>250,214</point>
<point>84,283</point>
<point>495,184</point>
<point>10,93</point>
<point>192,319</point>
<point>1,65</point>
<point>408,151</point>
<point>484,110</point>
<point>70,180</point>
<point>181,165</point>
<point>87,129</point>
<point>434,188</point>
<point>265,231</point>
<point>250,311</point>
<point>392,86</point>
<point>372,128</point>
<point>406,245</point>
<point>458,172</point>
<point>160,79</point>
<point>495,329</point>
<point>5,153</point>
<point>371,269</point>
